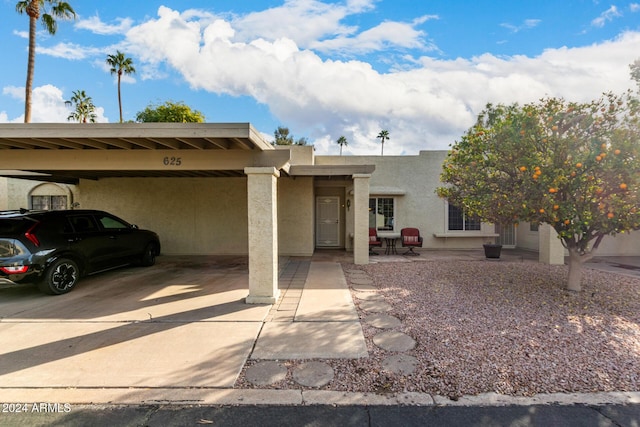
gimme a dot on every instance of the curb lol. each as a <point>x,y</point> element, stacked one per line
<point>205,396</point>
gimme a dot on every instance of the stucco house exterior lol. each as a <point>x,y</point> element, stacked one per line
<point>220,188</point>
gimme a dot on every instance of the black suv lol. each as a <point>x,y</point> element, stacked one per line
<point>54,249</point>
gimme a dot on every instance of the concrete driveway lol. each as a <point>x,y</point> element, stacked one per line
<point>180,323</point>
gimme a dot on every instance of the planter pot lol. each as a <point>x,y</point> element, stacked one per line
<point>492,250</point>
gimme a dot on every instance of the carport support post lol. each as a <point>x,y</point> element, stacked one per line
<point>361,218</point>
<point>262,191</point>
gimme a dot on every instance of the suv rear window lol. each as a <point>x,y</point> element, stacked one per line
<point>12,226</point>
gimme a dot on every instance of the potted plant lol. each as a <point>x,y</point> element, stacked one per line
<point>492,250</point>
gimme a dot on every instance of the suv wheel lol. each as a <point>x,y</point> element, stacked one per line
<point>148,256</point>
<point>60,278</point>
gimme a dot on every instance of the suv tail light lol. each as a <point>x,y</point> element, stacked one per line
<point>30,234</point>
<point>15,270</point>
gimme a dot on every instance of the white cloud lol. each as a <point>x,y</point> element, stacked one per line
<point>71,51</point>
<point>21,34</point>
<point>425,107</point>
<point>47,105</point>
<point>95,25</point>
<point>606,16</point>
<point>634,7</point>
<point>526,25</point>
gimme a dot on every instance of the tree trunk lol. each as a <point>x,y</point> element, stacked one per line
<point>575,271</point>
<point>119,96</point>
<point>31,63</point>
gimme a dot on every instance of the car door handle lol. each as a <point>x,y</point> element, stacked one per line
<point>75,239</point>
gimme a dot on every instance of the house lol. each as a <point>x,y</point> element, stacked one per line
<point>220,188</point>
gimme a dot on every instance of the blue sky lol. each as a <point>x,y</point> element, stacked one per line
<point>420,69</point>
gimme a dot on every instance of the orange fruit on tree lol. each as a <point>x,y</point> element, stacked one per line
<point>610,215</point>
<point>523,168</point>
<point>623,186</point>
<point>567,222</point>
<point>541,210</point>
<point>598,158</point>
<point>578,165</point>
<point>573,174</point>
<point>616,152</point>
<point>554,127</point>
<point>556,207</point>
<point>553,190</point>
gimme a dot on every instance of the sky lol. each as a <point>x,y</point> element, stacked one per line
<point>420,69</point>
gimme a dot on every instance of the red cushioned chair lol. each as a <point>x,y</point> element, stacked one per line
<point>411,239</point>
<point>374,241</point>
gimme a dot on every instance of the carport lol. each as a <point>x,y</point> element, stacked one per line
<point>75,153</point>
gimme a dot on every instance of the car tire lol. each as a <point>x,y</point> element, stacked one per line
<point>61,277</point>
<point>148,256</point>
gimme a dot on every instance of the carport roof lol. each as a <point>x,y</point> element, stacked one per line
<point>67,152</point>
<point>131,136</point>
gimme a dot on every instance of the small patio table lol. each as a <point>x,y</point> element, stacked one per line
<point>390,242</point>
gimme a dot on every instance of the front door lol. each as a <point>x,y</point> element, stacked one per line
<point>327,221</point>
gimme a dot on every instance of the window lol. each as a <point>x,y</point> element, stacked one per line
<point>48,203</point>
<point>534,226</point>
<point>110,223</point>
<point>459,221</point>
<point>381,213</point>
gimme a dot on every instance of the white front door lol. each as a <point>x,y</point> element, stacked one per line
<point>507,235</point>
<point>328,221</point>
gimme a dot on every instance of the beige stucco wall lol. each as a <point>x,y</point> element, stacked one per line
<point>295,216</point>
<point>15,193</point>
<point>203,216</point>
<point>4,204</point>
<point>417,177</point>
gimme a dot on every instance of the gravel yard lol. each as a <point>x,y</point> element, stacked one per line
<point>504,327</point>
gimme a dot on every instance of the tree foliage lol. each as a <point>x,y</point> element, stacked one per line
<point>120,64</point>
<point>47,11</point>
<point>284,137</point>
<point>84,110</point>
<point>575,166</point>
<point>342,141</point>
<point>169,112</point>
<point>383,135</point>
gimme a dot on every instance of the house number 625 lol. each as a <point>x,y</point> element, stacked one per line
<point>172,161</point>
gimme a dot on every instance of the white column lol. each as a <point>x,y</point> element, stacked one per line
<point>550,249</point>
<point>262,190</point>
<point>361,218</point>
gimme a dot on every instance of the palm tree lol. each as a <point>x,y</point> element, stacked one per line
<point>120,65</point>
<point>47,11</point>
<point>341,142</point>
<point>383,135</point>
<point>84,110</point>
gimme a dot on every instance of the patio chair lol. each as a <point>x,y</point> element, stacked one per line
<point>374,241</point>
<point>411,239</point>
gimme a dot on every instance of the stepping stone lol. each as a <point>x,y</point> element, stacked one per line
<point>363,281</point>
<point>375,306</point>
<point>364,288</point>
<point>394,341</point>
<point>313,374</point>
<point>382,321</point>
<point>369,296</point>
<point>265,373</point>
<point>400,364</point>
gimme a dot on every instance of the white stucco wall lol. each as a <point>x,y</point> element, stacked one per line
<point>295,216</point>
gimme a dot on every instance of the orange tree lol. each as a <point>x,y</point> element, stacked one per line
<point>574,166</point>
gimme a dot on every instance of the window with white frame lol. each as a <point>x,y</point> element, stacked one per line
<point>48,203</point>
<point>382,213</point>
<point>458,220</point>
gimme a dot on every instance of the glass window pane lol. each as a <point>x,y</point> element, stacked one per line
<point>384,219</point>
<point>456,220</point>
<point>472,223</point>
